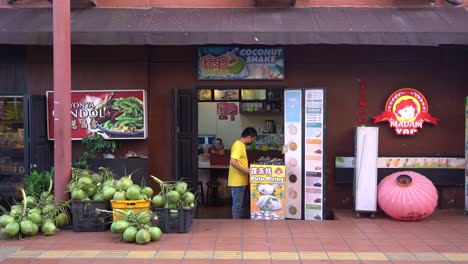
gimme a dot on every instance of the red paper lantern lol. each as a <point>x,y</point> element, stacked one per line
<point>407,196</point>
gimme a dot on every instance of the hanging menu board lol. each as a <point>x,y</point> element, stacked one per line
<point>293,155</point>
<point>466,156</point>
<point>313,154</point>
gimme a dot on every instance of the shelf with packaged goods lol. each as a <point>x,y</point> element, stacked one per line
<point>261,107</point>
<point>11,151</point>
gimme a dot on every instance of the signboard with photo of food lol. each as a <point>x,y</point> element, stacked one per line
<point>241,63</point>
<point>115,114</point>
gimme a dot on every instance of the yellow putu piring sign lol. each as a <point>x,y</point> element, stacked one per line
<point>267,192</point>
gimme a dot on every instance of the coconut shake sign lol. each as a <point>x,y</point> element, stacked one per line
<point>406,111</point>
<point>235,63</point>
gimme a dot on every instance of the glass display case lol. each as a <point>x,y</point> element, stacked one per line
<point>11,145</point>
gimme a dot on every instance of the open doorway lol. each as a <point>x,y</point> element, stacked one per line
<point>222,115</point>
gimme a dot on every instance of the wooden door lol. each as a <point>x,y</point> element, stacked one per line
<point>185,133</point>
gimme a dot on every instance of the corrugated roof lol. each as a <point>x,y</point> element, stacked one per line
<point>272,26</point>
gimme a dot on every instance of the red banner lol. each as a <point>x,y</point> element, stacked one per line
<point>115,114</point>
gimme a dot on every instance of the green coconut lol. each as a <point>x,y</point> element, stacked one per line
<point>129,234</point>
<point>48,229</point>
<point>12,229</point>
<point>155,233</point>
<point>5,220</point>
<point>133,192</point>
<point>119,227</point>
<point>143,236</point>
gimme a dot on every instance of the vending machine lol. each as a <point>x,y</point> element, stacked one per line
<point>304,137</point>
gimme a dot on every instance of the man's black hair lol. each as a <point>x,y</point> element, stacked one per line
<point>249,131</point>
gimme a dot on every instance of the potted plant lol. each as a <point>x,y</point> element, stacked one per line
<point>97,144</point>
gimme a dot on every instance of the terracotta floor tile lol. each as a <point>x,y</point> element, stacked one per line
<point>15,261</point>
<point>282,248</point>
<point>163,261</point>
<point>227,247</point>
<point>225,261</point>
<point>195,261</point>
<point>311,248</point>
<point>249,261</point>
<point>285,261</point>
<point>364,248</point>
<point>282,240</point>
<point>255,248</point>
<point>392,248</point>
<point>315,261</point>
<point>254,241</point>
<point>44,261</point>
<point>201,247</point>
<point>332,248</point>
<point>229,240</point>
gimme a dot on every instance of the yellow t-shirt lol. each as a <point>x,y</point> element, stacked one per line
<point>237,177</point>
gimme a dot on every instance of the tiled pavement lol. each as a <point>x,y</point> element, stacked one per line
<point>442,238</point>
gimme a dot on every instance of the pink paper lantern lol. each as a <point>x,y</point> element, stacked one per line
<point>407,196</point>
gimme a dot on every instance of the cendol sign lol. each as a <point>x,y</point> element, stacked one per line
<point>235,63</point>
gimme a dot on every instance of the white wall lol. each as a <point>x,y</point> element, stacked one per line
<point>227,130</point>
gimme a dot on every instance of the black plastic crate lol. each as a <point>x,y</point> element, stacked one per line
<point>172,220</point>
<point>86,217</point>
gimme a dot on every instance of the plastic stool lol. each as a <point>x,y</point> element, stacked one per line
<point>200,183</point>
<point>212,193</point>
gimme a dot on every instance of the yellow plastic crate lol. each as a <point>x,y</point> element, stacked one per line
<point>134,205</point>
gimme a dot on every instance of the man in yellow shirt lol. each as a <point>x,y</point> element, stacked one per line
<point>238,178</point>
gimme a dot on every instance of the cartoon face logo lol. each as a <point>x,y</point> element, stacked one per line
<point>406,109</point>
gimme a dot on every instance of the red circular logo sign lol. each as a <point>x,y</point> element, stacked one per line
<point>406,111</point>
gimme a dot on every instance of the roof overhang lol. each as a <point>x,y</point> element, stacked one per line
<point>263,26</point>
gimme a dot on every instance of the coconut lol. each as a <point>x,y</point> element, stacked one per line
<point>5,220</point>
<point>35,217</point>
<point>96,178</point>
<point>143,236</point>
<point>155,233</point>
<point>30,201</point>
<point>181,187</point>
<point>119,226</point>
<point>27,227</point>
<point>108,192</point>
<point>133,192</point>
<point>129,234</point>
<point>78,194</point>
<point>62,219</point>
<point>48,229</point>
<point>84,183</point>
<point>158,201</point>
<point>188,197</point>
<point>148,191</point>
<point>12,229</point>
<point>120,196</point>
<point>126,183</point>
<point>16,210</point>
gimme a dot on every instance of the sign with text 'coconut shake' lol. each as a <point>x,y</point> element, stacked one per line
<point>115,114</point>
<point>240,63</point>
